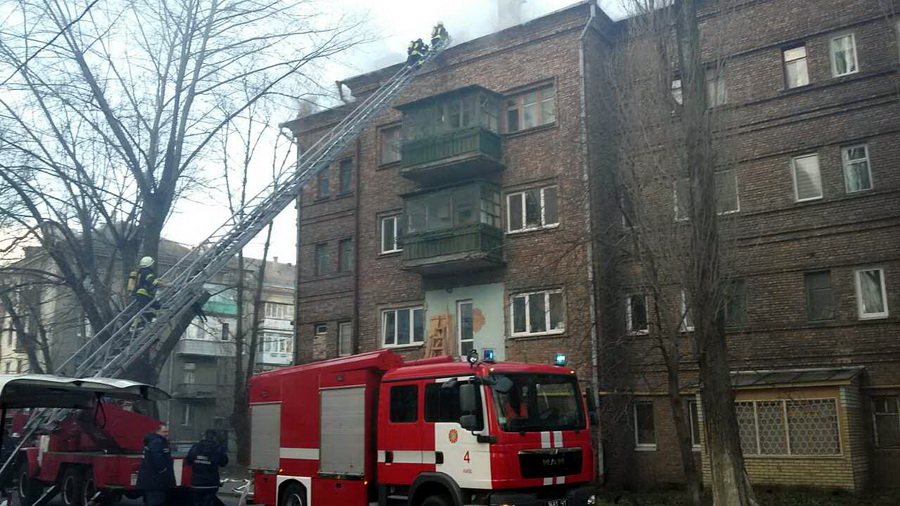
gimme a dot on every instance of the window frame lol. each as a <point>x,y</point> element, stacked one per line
<point>694,419</point>
<point>323,191</point>
<point>785,62</point>
<point>715,76</point>
<point>525,227</point>
<point>629,324</point>
<point>686,313</point>
<point>321,269</point>
<point>187,415</point>
<point>831,54</point>
<point>346,257</point>
<point>527,295</point>
<point>345,179</point>
<point>876,414</point>
<point>320,329</point>
<point>381,145</point>
<point>459,326</point>
<point>341,326</point>
<point>859,301</point>
<point>415,388</point>
<point>638,446</point>
<point>794,159</point>
<point>789,450</point>
<point>412,342</point>
<point>396,229</point>
<point>808,295</point>
<point>845,162</point>
<point>519,98</point>
<point>745,309</point>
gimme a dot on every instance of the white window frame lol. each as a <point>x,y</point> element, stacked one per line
<point>685,311</point>
<point>715,87</point>
<point>528,295</point>
<point>695,445</point>
<point>187,415</point>
<point>459,339</point>
<point>859,299</point>
<point>737,193</point>
<point>525,227</point>
<point>320,329</point>
<point>845,161</point>
<point>785,62</point>
<point>412,336</point>
<point>831,54</point>
<point>629,322</point>
<point>643,447</point>
<point>396,228</point>
<point>276,310</point>
<point>794,177</point>
<point>789,451</point>
<point>341,326</point>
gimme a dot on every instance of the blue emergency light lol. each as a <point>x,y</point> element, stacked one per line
<point>488,355</point>
<point>561,359</point>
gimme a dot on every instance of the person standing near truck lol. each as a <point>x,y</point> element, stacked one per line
<point>205,459</point>
<point>156,474</point>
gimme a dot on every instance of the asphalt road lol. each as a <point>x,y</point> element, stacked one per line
<point>228,499</point>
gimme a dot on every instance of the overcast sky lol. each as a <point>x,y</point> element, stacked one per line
<point>392,24</point>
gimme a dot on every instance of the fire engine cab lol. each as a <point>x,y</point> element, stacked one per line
<point>434,432</point>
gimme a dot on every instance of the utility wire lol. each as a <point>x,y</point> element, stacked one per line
<point>51,41</point>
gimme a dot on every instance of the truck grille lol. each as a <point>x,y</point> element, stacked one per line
<point>550,462</point>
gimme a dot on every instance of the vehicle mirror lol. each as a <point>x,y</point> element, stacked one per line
<point>467,398</point>
<point>591,405</point>
<point>468,422</point>
<point>503,385</point>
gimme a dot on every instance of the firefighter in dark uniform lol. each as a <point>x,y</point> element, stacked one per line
<point>156,474</point>
<point>416,52</point>
<point>439,35</point>
<point>143,284</point>
<point>205,459</point>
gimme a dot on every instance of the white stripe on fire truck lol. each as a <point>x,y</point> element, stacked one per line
<point>557,439</point>
<point>407,457</point>
<point>545,440</point>
<point>548,481</point>
<point>560,480</point>
<point>299,453</point>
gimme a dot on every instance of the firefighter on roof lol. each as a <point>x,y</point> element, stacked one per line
<point>142,284</point>
<point>416,52</point>
<point>439,35</point>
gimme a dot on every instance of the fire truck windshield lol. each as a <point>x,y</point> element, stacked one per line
<point>539,402</point>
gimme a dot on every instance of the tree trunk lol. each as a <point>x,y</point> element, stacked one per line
<point>239,419</point>
<point>692,482</point>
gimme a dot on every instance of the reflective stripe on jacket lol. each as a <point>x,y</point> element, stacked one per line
<point>146,283</point>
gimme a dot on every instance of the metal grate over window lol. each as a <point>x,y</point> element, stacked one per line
<point>789,427</point>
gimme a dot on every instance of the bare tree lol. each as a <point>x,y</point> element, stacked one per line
<point>105,128</point>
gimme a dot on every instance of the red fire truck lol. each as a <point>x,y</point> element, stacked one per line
<point>433,432</point>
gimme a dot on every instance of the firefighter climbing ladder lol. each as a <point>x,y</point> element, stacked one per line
<point>118,345</point>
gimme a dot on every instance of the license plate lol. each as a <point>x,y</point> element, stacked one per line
<point>558,502</point>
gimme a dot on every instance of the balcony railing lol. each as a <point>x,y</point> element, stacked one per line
<point>205,347</point>
<point>467,248</point>
<point>195,391</point>
<point>455,156</point>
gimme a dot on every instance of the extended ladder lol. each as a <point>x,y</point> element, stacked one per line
<point>118,345</point>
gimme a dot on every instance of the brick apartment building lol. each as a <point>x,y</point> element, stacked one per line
<point>478,208</point>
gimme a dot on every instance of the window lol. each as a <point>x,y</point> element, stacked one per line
<point>677,93</point>
<point>530,109</point>
<point>390,145</point>
<point>390,234</point>
<point>226,332</point>
<point>843,55</point>
<point>466,330</point>
<point>807,180</point>
<point>736,304</point>
<point>857,175</point>
<point>187,414</point>
<point>886,417</point>
<point>321,330</point>
<point>871,294</point>
<point>727,200</point>
<point>636,314</point>
<point>7,366</point>
<point>626,206</point>
<point>451,208</point>
<point>789,427</point>
<point>345,339</point>
<point>819,296</point>
<point>321,259</point>
<point>277,311</point>
<point>323,183</point>
<point>682,191</point>
<point>345,176</point>
<point>403,327</point>
<point>404,404</point>
<point>644,428</point>
<point>795,71</point>
<point>687,319</point>
<point>18,366</point>
<point>537,313</point>
<point>532,209</point>
<point>716,93</point>
<point>345,255</point>
<point>442,403</point>
<point>694,414</point>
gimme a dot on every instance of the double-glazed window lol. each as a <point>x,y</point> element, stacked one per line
<point>789,427</point>
<point>404,404</point>
<point>390,234</point>
<point>886,418</point>
<point>871,293</point>
<point>857,175</point>
<point>403,327</point>
<point>819,296</point>
<point>807,179</point>
<point>537,313</point>
<point>345,339</point>
<point>644,425</point>
<point>843,55</point>
<point>532,209</point>
<point>277,311</point>
<point>530,109</point>
<point>465,327</point>
<point>796,73</point>
<point>636,314</point>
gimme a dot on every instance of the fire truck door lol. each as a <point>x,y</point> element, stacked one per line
<point>400,449</point>
<point>459,454</point>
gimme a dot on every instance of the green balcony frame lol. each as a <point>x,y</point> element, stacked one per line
<point>468,248</point>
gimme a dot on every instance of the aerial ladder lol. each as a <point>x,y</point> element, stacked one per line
<point>118,345</point>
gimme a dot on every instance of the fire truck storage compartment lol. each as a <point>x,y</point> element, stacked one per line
<point>265,438</point>
<point>343,425</point>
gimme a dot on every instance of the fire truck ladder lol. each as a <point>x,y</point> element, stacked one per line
<point>122,341</point>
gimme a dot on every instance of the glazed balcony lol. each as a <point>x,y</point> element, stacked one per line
<point>195,391</point>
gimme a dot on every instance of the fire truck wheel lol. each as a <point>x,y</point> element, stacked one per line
<point>293,495</point>
<point>29,490</point>
<point>70,491</point>
<point>437,500</point>
<point>88,489</point>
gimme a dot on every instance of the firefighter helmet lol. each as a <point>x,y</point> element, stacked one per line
<point>146,262</point>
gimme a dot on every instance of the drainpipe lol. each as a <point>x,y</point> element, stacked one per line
<point>595,377</point>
